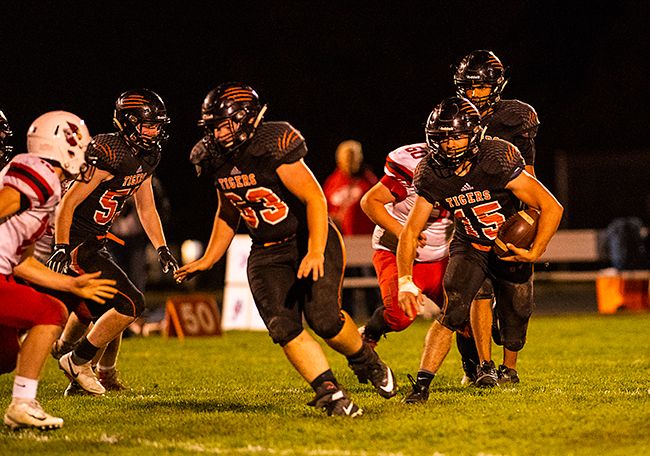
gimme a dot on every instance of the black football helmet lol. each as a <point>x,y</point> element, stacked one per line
<point>139,108</point>
<point>6,150</point>
<point>453,118</point>
<point>480,68</point>
<point>233,105</point>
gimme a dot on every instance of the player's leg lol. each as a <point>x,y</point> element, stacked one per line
<point>272,279</point>
<point>388,317</point>
<point>123,309</point>
<point>43,316</point>
<point>323,314</point>
<point>107,366</point>
<point>514,314</point>
<point>463,277</point>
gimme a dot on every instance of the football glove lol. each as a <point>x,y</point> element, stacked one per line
<point>60,259</point>
<point>167,260</point>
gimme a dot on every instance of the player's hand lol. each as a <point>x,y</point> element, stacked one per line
<point>520,255</point>
<point>167,260</point>
<point>422,240</point>
<point>312,264</point>
<point>88,286</point>
<point>409,297</point>
<point>60,259</point>
<point>190,270</point>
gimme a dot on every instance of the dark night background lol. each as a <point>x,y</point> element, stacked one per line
<point>337,70</point>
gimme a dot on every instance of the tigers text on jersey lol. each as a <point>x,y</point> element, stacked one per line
<point>36,179</point>
<point>478,200</point>
<point>248,178</point>
<point>95,214</point>
<point>515,122</point>
<point>399,168</point>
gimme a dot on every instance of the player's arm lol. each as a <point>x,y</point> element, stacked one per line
<point>535,195</point>
<point>87,286</point>
<point>10,201</point>
<point>300,181</point>
<point>59,261</point>
<point>223,230</point>
<point>373,203</point>
<point>78,192</point>
<point>409,296</point>
<point>145,204</point>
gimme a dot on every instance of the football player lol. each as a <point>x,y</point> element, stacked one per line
<point>297,257</point>
<point>481,182</point>
<point>480,77</point>
<point>388,204</point>
<point>125,162</point>
<point>30,189</point>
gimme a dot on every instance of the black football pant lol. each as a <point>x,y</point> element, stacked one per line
<point>466,272</point>
<point>93,255</point>
<point>282,299</point>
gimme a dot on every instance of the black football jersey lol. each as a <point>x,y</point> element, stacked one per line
<point>479,200</point>
<point>95,215</point>
<point>515,122</point>
<point>248,178</point>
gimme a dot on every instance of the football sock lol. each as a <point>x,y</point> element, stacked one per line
<point>364,355</point>
<point>424,378</point>
<point>24,388</point>
<point>376,326</point>
<point>84,352</point>
<point>327,376</point>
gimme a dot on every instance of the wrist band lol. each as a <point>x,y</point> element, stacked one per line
<point>406,285</point>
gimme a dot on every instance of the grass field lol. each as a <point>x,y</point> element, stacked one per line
<point>585,391</point>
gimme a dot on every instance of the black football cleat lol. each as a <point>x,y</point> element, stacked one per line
<point>334,401</point>
<point>507,375</point>
<point>418,395</point>
<point>378,374</point>
<point>486,375</point>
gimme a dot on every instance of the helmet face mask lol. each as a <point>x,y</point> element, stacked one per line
<point>230,115</point>
<point>61,137</point>
<point>477,71</point>
<point>453,133</point>
<point>6,150</point>
<point>141,116</point>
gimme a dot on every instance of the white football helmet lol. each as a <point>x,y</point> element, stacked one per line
<point>62,137</point>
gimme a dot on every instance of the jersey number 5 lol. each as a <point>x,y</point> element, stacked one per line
<point>109,202</point>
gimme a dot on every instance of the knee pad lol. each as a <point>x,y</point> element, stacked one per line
<point>456,314</point>
<point>328,326</point>
<point>283,330</point>
<point>486,291</point>
<point>514,307</point>
<point>131,305</point>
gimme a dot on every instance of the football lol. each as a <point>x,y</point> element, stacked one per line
<point>518,230</point>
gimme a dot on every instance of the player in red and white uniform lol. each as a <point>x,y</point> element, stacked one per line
<point>30,189</point>
<point>388,204</point>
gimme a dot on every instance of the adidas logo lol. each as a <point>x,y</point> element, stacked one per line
<point>139,170</point>
<point>466,187</point>
<point>234,171</point>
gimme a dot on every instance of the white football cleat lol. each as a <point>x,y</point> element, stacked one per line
<point>30,414</point>
<point>82,375</point>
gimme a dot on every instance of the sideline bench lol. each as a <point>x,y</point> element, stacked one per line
<point>567,246</point>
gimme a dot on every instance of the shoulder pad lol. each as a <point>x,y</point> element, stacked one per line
<point>107,149</point>
<point>498,156</point>
<point>280,139</point>
<point>517,113</point>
